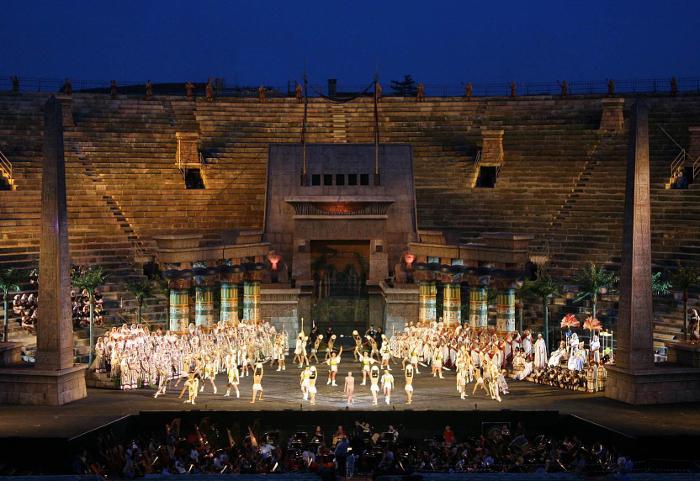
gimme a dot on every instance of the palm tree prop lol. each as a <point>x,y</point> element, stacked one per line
<point>682,279</point>
<point>88,280</point>
<point>9,281</point>
<point>543,288</point>
<point>140,289</point>
<point>594,280</point>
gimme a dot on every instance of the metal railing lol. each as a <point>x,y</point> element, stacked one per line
<point>683,85</point>
<point>6,168</point>
<point>681,159</point>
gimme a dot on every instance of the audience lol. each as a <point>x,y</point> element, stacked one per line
<point>209,447</point>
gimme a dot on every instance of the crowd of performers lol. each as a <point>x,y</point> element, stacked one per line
<point>26,307</point>
<point>477,359</point>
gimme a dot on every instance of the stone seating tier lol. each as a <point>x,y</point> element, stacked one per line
<point>560,180</point>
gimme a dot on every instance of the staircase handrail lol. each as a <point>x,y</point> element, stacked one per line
<point>679,160</point>
<point>6,165</point>
<point>477,158</point>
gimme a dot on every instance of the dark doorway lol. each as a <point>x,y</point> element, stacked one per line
<point>487,177</point>
<point>340,298</point>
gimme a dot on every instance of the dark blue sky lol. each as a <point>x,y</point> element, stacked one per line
<point>439,42</point>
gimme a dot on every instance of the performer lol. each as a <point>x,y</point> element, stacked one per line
<point>192,388</point>
<point>494,372</point>
<point>234,377</point>
<point>333,362</point>
<point>437,363</point>
<point>357,353</point>
<point>385,354</point>
<point>314,348</point>
<point>408,376</point>
<point>388,385</point>
<point>479,380</point>
<point>329,346</point>
<point>558,355</point>
<point>304,382</point>
<point>280,353</point>
<point>367,362</point>
<point>209,373</point>
<point>349,388</point>
<point>257,382</point>
<point>300,350</point>
<point>595,349</point>
<point>540,353</point>
<point>374,383</point>
<point>313,375</point>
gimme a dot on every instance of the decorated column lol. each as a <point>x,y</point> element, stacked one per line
<point>228,311</point>
<point>179,309</point>
<point>505,311</point>
<point>478,307</point>
<point>452,304</point>
<point>426,308</point>
<point>251,301</point>
<point>204,314</point>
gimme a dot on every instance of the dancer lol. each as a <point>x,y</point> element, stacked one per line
<point>192,388</point>
<point>304,382</point>
<point>329,347</point>
<point>313,375</point>
<point>437,363</point>
<point>314,348</point>
<point>257,382</point>
<point>367,362</point>
<point>333,362</point>
<point>408,376</point>
<point>357,353</point>
<point>300,350</point>
<point>388,385</point>
<point>349,388</point>
<point>385,354</point>
<point>234,377</point>
<point>374,381</point>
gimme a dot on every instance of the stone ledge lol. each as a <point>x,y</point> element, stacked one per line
<point>10,353</point>
<point>684,353</point>
<point>27,385</point>
<point>661,385</point>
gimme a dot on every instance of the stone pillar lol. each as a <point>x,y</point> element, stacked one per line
<point>634,378</point>
<point>55,379</point>
<point>612,119</point>
<point>505,311</point>
<point>251,301</point>
<point>426,309</point>
<point>491,146</point>
<point>451,306</point>
<point>179,309</point>
<point>634,331</point>
<point>204,313</point>
<point>228,311</point>
<point>478,307</point>
<point>55,330</point>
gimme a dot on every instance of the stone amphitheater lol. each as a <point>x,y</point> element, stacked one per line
<point>561,174</point>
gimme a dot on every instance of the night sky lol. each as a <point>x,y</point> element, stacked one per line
<point>438,42</point>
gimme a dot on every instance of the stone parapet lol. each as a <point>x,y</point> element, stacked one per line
<point>664,384</point>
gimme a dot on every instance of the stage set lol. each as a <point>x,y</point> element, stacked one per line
<point>341,275</point>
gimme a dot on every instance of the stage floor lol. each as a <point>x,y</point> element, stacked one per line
<point>282,393</point>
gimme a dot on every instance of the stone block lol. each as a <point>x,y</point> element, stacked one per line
<point>612,119</point>
<point>30,385</point>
